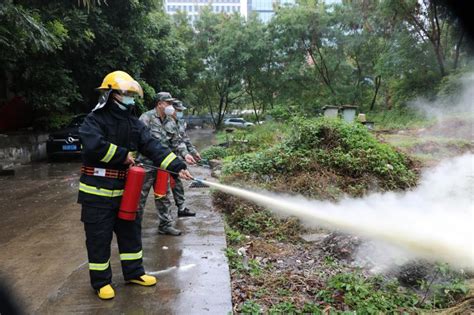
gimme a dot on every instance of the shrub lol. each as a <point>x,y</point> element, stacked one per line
<point>253,139</point>
<point>281,113</point>
<point>348,149</point>
<point>214,152</point>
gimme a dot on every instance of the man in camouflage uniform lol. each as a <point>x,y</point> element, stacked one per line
<point>164,128</point>
<point>178,189</point>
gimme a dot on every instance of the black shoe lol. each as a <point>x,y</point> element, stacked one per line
<point>169,230</point>
<point>186,213</point>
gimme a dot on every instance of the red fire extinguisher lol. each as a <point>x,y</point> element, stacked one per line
<point>161,183</point>
<point>172,182</point>
<point>131,194</point>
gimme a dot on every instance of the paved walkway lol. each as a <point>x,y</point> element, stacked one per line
<point>45,262</point>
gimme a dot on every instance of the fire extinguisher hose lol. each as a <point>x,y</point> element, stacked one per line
<point>170,172</point>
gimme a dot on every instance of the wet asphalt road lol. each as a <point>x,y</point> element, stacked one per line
<point>44,260</point>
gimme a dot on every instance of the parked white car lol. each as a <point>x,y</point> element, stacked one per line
<point>237,122</point>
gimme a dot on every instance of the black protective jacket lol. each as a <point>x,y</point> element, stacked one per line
<point>108,135</point>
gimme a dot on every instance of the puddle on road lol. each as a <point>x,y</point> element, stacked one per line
<point>43,171</point>
<point>170,269</point>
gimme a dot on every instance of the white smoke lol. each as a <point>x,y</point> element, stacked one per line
<point>433,221</point>
<point>452,115</point>
<point>452,105</point>
<point>441,209</point>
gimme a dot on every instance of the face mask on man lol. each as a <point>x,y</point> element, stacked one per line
<point>169,110</point>
<point>128,100</point>
<point>179,115</point>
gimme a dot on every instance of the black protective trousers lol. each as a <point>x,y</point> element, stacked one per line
<point>99,225</point>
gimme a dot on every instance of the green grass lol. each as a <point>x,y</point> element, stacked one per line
<point>430,148</point>
<point>407,141</point>
<point>399,119</point>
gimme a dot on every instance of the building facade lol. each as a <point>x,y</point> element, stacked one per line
<point>264,8</point>
<point>193,7</point>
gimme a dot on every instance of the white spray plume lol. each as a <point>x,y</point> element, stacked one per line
<point>442,107</point>
<point>433,221</point>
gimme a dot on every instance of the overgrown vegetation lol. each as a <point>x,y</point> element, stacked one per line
<point>321,145</point>
<point>273,270</point>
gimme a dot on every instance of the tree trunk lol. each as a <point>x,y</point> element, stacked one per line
<point>388,99</point>
<point>439,58</point>
<point>378,81</point>
<point>458,50</point>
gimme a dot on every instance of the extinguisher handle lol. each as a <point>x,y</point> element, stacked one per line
<point>170,172</point>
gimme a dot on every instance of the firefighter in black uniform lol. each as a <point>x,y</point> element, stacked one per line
<point>109,134</point>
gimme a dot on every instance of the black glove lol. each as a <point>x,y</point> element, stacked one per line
<point>176,166</point>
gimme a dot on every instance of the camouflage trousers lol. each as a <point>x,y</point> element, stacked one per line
<point>178,193</point>
<point>162,204</point>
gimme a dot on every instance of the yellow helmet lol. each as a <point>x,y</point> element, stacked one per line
<point>122,82</point>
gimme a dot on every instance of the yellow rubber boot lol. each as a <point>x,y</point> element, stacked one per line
<point>106,292</point>
<point>144,280</point>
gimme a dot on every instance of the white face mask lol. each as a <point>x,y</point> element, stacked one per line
<point>128,100</point>
<point>179,115</point>
<point>169,110</point>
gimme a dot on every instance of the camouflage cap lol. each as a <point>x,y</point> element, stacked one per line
<point>178,105</point>
<point>163,96</point>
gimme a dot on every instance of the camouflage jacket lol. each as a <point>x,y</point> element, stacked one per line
<point>166,131</point>
<point>178,146</point>
<point>184,135</point>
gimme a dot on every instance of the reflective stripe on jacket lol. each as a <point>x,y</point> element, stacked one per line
<point>107,135</point>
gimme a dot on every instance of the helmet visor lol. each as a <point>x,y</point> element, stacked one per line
<point>128,87</point>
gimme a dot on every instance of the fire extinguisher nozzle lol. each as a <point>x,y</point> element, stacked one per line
<point>198,183</point>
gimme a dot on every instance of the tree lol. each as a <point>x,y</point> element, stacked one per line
<point>57,52</point>
<point>258,65</point>
<point>219,40</point>
<point>432,22</point>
